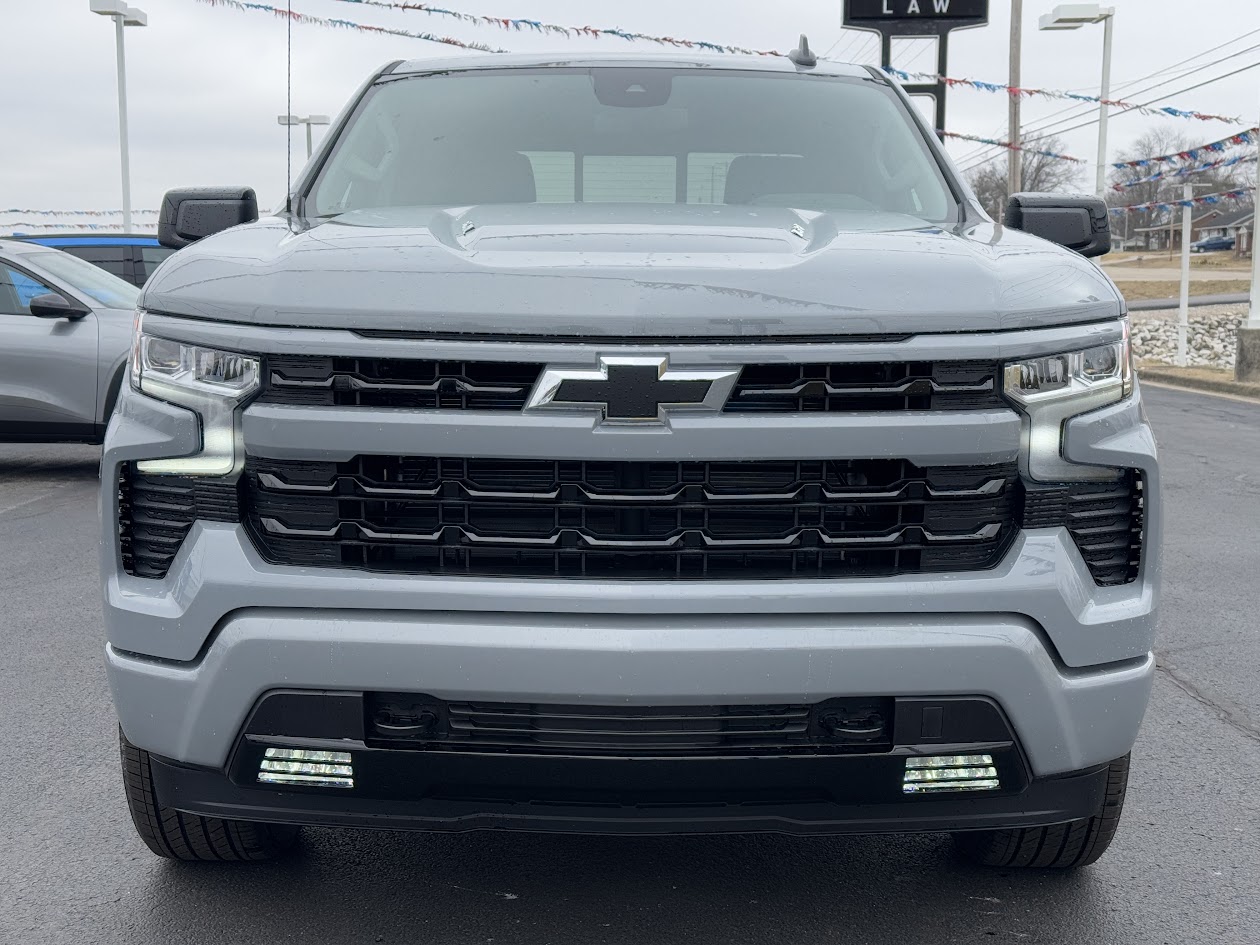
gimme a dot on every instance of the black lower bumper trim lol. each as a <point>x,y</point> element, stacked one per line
<point>770,810</point>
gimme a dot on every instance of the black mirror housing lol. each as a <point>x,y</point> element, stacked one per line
<point>194,213</point>
<point>1077,221</point>
<point>53,305</point>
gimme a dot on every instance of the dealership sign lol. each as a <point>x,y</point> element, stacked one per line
<point>907,18</point>
<point>916,10</point>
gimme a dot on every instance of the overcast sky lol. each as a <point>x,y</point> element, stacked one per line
<point>206,84</point>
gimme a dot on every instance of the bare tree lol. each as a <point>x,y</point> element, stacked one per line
<point>1039,172</point>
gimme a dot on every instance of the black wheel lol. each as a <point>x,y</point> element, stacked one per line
<point>179,836</point>
<point>1062,846</point>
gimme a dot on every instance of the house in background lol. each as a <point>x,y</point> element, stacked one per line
<point>1164,232</point>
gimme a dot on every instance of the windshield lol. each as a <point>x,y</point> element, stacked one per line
<point>633,136</point>
<point>85,278</point>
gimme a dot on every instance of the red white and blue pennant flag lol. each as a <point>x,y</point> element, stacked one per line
<point>71,213</point>
<point>522,24</point>
<point>1163,110</point>
<point>346,24</point>
<point>519,24</point>
<point>1193,154</point>
<point>1228,196</point>
<point>1011,147</point>
<point>1187,171</point>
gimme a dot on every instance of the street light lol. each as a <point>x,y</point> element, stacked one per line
<point>1072,16</point>
<point>123,16</point>
<point>291,120</point>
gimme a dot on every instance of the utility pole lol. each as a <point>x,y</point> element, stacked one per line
<point>1014,166</point>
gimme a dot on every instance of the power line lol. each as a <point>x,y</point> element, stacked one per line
<point>1161,98</point>
<point>1085,124</point>
<point>1047,122</point>
<point>1083,108</point>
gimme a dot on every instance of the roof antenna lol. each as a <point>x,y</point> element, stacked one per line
<point>802,55</point>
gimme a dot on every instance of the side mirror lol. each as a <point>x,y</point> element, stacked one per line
<point>1080,223</point>
<point>52,305</point>
<point>196,212</point>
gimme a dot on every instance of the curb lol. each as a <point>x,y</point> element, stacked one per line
<point>1178,377</point>
<point>1156,305</point>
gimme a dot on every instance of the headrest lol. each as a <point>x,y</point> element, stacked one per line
<point>450,180</point>
<point>751,176</point>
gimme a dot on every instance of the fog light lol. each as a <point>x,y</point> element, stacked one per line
<point>309,768</point>
<point>939,773</point>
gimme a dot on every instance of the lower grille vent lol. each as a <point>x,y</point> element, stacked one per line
<point>155,514</point>
<point>1105,520</point>
<point>402,720</point>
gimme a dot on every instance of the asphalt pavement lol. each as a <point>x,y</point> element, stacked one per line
<point>1184,869</point>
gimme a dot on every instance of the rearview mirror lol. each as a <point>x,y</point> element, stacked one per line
<point>194,213</point>
<point>52,305</point>
<point>1079,222</point>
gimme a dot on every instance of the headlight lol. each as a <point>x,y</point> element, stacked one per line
<point>211,382</point>
<point>1053,389</point>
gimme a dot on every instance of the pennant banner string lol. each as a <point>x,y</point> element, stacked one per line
<point>72,213</point>
<point>1193,154</point>
<point>1186,171</point>
<point>932,78</point>
<point>521,24</point>
<point>1225,197</point>
<point>1011,147</point>
<point>518,24</point>
<point>346,24</point>
<point>42,225</point>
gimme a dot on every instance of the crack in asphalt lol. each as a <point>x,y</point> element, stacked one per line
<point>1229,712</point>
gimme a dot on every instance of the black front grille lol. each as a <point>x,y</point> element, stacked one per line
<point>621,519</point>
<point>1105,520</point>
<point>762,388</point>
<point>903,385</point>
<point>404,720</point>
<point>386,382</point>
<point>155,514</point>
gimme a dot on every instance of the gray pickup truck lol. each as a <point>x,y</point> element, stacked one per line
<point>605,445</point>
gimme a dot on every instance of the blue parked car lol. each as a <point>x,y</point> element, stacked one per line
<point>129,256</point>
<point>1213,244</point>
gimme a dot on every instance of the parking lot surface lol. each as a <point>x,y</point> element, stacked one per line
<point>1184,869</point>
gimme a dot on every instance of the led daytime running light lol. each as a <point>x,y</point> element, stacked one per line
<point>211,382</point>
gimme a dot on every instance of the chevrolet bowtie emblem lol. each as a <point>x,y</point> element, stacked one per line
<point>633,389</point>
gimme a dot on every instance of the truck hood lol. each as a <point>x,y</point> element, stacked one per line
<point>631,271</point>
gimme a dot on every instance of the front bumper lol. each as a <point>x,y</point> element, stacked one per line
<point>838,766</point>
<point>1066,720</point>
<point>812,796</point>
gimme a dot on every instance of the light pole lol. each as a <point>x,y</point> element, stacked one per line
<point>291,120</point>
<point>1072,16</point>
<point>123,15</point>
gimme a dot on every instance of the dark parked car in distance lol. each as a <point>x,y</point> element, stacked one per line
<point>1213,244</point>
<point>129,256</point>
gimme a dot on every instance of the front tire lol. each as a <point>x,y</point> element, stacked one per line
<point>179,836</point>
<point>1062,846</point>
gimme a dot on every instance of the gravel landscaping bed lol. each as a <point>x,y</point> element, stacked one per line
<point>1209,341</point>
